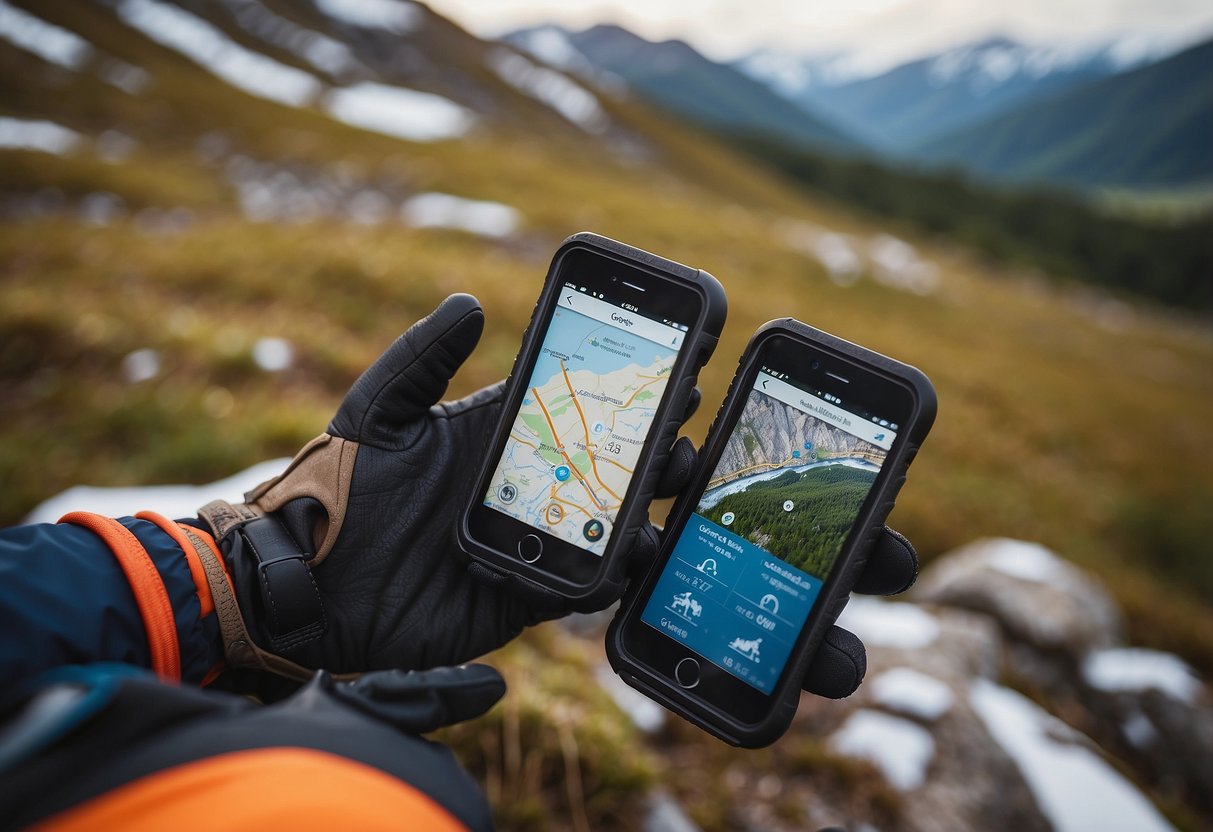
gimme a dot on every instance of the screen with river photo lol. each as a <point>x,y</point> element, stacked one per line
<point>791,483</point>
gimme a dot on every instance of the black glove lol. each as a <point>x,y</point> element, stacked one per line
<point>841,659</point>
<point>377,499</point>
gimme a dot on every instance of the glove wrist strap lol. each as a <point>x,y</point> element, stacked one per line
<point>293,610</point>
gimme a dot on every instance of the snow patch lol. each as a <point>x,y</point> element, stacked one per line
<point>131,79</point>
<point>1137,669</point>
<point>566,97</point>
<point>901,749</point>
<point>837,254</point>
<point>552,46</point>
<point>273,354</point>
<point>910,692</point>
<point>169,500</point>
<point>897,264</point>
<point>1075,789</point>
<point>392,15</point>
<point>400,112</point>
<point>645,714</point>
<point>141,365</point>
<point>49,42</point>
<point>1026,561</point>
<point>435,210</point>
<point>35,134</point>
<point>209,47</point>
<point>889,624</point>
<point>319,50</point>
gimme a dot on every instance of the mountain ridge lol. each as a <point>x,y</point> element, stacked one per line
<point>1148,127</point>
<point>676,78</point>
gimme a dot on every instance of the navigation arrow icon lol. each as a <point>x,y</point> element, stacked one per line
<point>569,298</point>
<point>764,383</point>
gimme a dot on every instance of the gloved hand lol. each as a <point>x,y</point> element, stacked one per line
<point>841,660</point>
<point>376,499</point>
<point>372,506</point>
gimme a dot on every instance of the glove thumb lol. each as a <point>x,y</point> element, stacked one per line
<point>410,377</point>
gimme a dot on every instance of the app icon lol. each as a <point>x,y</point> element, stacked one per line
<point>770,603</point>
<point>788,505</point>
<point>708,567</point>
<point>747,647</point>
<point>727,518</point>
<point>563,472</point>
<point>879,437</point>
<point>686,606</point>
<point>507,493</point>
<point>555,514</point>
<point>592,530</point>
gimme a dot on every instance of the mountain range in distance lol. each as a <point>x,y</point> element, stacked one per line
<point>999,109</point>
<point>935,95</point>
<point>676,78</point>
<point>1148,128</point>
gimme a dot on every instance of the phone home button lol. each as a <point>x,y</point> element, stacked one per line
<point>530,548</point>
<point>686,673</point>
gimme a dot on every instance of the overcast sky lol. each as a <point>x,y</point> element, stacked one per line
<point>882,32</point>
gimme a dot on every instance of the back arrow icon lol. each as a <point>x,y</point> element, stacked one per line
<point>764,384</point>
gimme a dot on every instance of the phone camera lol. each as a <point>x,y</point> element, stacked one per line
<point>614,278</point>
<point>815,364</point>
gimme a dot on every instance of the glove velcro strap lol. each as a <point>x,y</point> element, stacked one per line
<point>238,647</point>
<point>293,608</point>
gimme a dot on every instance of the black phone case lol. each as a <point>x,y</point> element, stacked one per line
<point>835,592</point>
<point>698,346</point>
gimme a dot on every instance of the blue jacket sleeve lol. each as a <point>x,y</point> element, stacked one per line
<point>65,599</point>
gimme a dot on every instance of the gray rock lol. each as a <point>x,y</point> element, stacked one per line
<point>1034,595</point>
<point>921,663</point>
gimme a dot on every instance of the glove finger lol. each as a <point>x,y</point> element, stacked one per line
<point>678,468</point>
<point>892,566</point>
<point>839,665</point>
<point>423,701</point>
<point>541,604</point>
<point>692,403</point>
<point>410,376</point>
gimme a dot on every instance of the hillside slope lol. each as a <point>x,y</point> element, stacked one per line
<point>1147,128</point>
<point>164,220</point>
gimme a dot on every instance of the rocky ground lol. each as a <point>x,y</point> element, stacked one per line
<point>1000,695</point>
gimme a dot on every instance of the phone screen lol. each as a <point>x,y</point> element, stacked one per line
<point>586,413</point>
<point>749,565</point>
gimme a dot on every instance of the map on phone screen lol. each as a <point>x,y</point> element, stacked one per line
<point>588,407</point>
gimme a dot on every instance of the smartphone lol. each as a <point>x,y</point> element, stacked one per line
<point>593,403</point>
<point>796,477</point>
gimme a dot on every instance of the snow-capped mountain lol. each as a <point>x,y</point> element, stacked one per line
<point>939,93</point>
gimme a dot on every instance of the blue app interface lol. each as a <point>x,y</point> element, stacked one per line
<point>750,563</point>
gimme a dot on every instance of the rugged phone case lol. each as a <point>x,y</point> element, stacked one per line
<point>697,348</point>
<point>836,590</point>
